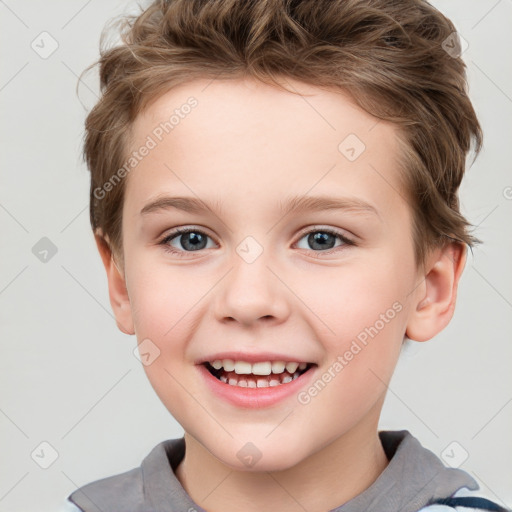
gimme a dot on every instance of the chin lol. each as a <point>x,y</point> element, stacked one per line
<point>254,457</point>
<point>262,465</point>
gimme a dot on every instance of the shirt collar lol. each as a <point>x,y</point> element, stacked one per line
<point>413,477</point>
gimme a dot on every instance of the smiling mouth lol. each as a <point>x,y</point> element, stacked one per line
<point>251,380</point>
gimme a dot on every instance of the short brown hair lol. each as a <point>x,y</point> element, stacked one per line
<point>389,56</point>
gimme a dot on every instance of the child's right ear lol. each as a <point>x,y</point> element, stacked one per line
<point>117,290</point>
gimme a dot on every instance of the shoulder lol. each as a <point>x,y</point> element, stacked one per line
<point>68,506</point>
<point>438,508</point>
<point>107,492</point>
<point>135,489</point>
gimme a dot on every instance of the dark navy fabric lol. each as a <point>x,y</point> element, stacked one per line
<point>471,502</point>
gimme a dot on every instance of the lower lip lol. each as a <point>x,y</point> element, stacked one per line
<point>255,398</point>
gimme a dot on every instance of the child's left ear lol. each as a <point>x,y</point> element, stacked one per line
<point>435,298</point>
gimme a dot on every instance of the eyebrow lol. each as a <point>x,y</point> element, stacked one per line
<point>186,204</point>
<point>320,203</point>
<point>295,203</point>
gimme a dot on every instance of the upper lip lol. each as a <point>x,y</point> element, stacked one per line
<point>252,358</point>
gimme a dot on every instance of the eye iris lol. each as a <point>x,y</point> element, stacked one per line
<point>322,239</point>
<point>193,238</point>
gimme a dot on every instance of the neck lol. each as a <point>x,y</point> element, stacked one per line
<point>325,480</point>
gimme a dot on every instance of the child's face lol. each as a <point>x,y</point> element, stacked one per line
<point>257,282</point>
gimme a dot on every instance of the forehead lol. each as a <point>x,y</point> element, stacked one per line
<point>247,107</point>
<point>247,139</point>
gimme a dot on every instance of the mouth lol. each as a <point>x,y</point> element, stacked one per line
<point>257,375</point>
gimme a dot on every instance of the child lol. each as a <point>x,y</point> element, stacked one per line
<point>316,148</point>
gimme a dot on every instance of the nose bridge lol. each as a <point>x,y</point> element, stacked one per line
<point>251,290</point>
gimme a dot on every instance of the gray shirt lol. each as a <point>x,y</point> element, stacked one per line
<point>413,478</point>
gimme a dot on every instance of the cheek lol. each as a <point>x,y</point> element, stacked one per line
<point>362,318</point>
<point>350,298</point>
<point>162,308</point>
<point>162,300</point>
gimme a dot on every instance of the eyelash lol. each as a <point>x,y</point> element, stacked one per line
<point>181,231</point>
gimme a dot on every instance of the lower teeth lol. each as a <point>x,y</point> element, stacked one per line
<point>259,383</point>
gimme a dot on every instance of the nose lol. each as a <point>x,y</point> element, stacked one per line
<point>252,292</point>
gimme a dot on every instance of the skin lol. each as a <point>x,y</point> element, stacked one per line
<point>250,145</point>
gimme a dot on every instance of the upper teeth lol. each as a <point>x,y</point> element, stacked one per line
<point>260,368</point>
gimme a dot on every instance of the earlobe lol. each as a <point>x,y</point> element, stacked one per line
<point>436,297</point>
<point>118,293</point>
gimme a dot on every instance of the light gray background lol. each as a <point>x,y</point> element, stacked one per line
<point>69,377</point>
